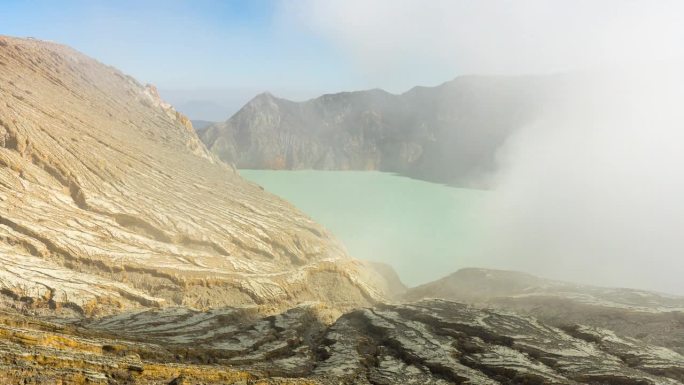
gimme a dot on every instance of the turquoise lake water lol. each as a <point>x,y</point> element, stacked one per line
<point>424,230</point>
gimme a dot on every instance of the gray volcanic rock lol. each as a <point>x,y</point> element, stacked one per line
<point>130,255</point>
<point>449,133</point>
<point>651,317</point>
<point>108,200</point>
<point>431,341</point>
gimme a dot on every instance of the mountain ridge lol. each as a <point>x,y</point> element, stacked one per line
<point>130,255</point>
<point>448,133</point>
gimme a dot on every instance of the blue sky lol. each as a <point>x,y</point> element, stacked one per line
<point>180,44</point>
<point>208,57</point>
<point>218,51</point>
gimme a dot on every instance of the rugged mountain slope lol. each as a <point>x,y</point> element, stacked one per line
<point>201,125</point>
<point>108,199</point>
<point>429,342</point>
<point>655,318</point>
<point>129,255</point>
<point>448,133</point>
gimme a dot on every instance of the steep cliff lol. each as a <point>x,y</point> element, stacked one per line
<point>108,200</point>
<point>449,133</point>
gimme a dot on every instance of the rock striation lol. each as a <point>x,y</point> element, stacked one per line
<point>651,317</point>
<point>449,133</point>
<point>129,254</point>
<point>109,201</point>
<point>427,342</point>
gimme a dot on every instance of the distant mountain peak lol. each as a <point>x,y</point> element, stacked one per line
<point>449,133</point>
<point>266,95</point>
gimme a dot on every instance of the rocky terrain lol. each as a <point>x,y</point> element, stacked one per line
<point>427,342</point>
<point>449,133</point>
<point>132,255</point>
<point>652,317</point>
<point>109,201</point>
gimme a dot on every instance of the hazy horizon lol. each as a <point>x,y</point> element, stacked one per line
<point>299,50</point>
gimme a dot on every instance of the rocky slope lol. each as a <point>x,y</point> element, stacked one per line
<point>652,317</point>
<point>428,342</point>
<point>449,133</point>
<point>130,255</point>
<point>108,201</point>
<point>201,125</point>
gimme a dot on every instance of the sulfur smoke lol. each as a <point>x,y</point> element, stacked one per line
<point>592,190</point>
<point>589,191</point>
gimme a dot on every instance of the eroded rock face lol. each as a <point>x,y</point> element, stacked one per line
<point>651,317</point>
<point>108,200</point>
<point>36,352</point>
<point>111,208</point>
<point>449,133</point>
<point>428,342</point>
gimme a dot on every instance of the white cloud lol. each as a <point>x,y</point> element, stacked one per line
<point>391,40</point>
<point>590,192</point>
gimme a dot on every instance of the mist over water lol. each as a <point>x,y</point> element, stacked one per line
<point>589,191</point>
<point>592,191</point>
<point>423,230</point>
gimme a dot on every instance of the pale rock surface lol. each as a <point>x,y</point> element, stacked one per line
<point>129,254</point>
<point>108,200</point>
